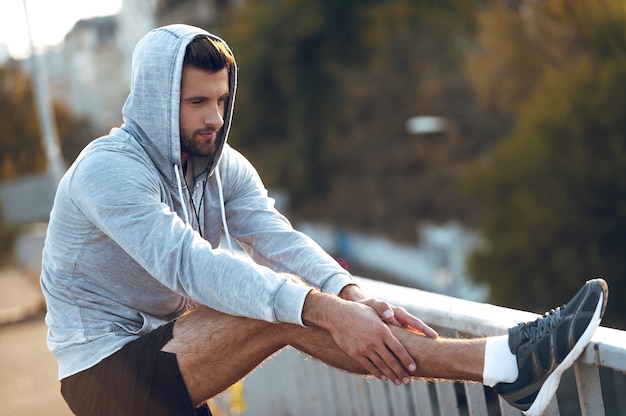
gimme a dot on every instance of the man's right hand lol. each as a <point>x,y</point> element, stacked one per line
<point>360,333</point>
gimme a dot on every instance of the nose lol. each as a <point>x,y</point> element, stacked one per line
<point>214,116</point>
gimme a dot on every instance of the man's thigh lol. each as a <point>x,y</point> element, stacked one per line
<point>215,350</point>
<point>140,379</point>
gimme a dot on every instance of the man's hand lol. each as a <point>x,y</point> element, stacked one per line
<point>392,315</point>
<point>359,332</point>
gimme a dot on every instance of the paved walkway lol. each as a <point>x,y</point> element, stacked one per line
<point>28,382</point>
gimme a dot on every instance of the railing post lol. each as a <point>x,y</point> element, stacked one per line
<point>475,394</point>
<point>506,409</point>
<point>589,389</point>
<point>399,396</point>
<point>421,398</point>
<point>446,396</point>
<point>378,397</point>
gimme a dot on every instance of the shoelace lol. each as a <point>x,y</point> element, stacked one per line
<point>535,330</point>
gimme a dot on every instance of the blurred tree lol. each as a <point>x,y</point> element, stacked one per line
<point>287,54</point>
<point>325,91</point>
<point>21,150</point>
<point>554,190</point>
<point>507,63</point>
<point>387,179</point>
<point>74,132</point>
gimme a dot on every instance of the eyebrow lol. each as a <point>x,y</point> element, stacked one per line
<point>204,97</point>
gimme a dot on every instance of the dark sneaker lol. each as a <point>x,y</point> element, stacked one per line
<point>545,348</point>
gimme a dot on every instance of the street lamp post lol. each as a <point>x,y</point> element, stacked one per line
<point>45,112</point>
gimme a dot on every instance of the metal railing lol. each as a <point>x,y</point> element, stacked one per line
<point>293,384</point>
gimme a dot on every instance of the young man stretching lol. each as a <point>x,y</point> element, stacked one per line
<point>147,315</point>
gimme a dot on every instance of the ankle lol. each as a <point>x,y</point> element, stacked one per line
<point>500,363</point>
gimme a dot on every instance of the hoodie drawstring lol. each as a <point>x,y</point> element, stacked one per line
<point>222,208</point>
<point>221,195</point>
<point>180,192</point>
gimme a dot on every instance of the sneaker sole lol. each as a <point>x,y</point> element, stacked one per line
<point>548,390</point>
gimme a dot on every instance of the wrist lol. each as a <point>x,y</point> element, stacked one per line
<point>319,308</point>
<point>352,293</point>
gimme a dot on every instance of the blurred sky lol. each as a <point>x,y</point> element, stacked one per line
<point>50,20</point>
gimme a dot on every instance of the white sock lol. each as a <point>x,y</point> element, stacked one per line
<point>500,364</point>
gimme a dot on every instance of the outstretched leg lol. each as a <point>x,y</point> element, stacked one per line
<point>214,350</point>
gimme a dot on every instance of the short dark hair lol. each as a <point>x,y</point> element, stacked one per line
<point>209,54</point>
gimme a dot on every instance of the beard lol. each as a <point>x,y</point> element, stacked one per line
<point>194,147</point>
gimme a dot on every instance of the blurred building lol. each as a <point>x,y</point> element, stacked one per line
<point>57,74</point>
<point>97,87</point>
<point>136,18</point>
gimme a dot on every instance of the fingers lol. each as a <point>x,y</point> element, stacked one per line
<point>369,341</point>
<point>398,360</point>
<point>395,361</point>
<point>399,317</point>
<point>409,321</point>
<point>386,364</point>
<point>382,308</point>
<point>361,332</point>
<point>376,366</point>
<point>391,359</point>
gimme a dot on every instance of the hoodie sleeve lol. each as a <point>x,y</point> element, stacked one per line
<point>123,197</point>
<point>266,235</point>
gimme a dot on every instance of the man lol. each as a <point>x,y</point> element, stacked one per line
<point>147,315</point>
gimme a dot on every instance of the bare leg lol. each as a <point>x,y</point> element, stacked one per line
<point>215,350</point>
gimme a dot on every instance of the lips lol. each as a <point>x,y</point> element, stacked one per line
<point>207,134</point>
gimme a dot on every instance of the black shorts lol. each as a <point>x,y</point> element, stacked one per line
<point>138,380</point>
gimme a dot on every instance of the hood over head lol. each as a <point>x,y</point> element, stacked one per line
<point>151,111</point>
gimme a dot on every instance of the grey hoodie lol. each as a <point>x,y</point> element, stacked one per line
<point>125,252</point>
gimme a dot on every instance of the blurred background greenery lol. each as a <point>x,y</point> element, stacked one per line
<point>532,156</point>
